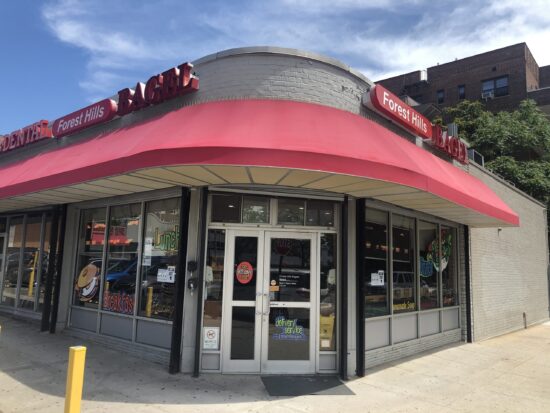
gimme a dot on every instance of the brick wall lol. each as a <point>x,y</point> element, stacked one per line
<point>514,61</point>
<point>509,266</point>
<point>544,76</point>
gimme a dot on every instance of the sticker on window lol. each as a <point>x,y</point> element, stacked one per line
<point>244,272</point>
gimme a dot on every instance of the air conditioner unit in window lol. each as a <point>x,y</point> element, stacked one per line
<point>487,95</point>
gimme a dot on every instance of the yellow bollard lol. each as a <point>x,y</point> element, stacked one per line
<point>149,304</point>
<point>31,276</point>
<point>75,379</point>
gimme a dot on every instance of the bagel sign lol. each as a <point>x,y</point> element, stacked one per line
<point>382,101</point>
<point>177,81</point>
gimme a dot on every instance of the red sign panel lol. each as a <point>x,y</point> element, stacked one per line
<point>174,82</point>
<point>244,272</point>
<point>390,106</point>
<point>99,112</point>
<point>22,137</point>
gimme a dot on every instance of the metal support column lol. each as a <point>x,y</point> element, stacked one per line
<point>46,309</point>
<point>360,286</point>
<point>58,265</point>
<point>177,322</point>
<point>344,293</point>
<point>201,269</point>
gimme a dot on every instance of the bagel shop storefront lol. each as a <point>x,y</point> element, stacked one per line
<point>278,219</point>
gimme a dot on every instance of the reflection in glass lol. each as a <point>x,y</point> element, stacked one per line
<point>327,292</point>
<point>120,273</point>
<point>376,249</point>
<point>448,266</point>
<point>226,208</point>
<point>31,262</point>
<point>290,270</point>
<point>13,255</point>
<point>429,265</point>
<point>291,211</point>
<point>45,261</point>
<point>255,210</point>
<point>289,334</point>
<point>403,264</point>
<point>245,268</point>
<point>90,254</point>
<point>213,280</point>
<point>159,258</point>
<point>320,213</point>
<point>242,333</point>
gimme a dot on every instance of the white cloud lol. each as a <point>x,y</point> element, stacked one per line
<point>382,37</point>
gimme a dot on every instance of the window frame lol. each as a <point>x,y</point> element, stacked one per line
<point>439,222</point>
<point>494,87</point>
<point>440,96</point>
<point>461,92</point>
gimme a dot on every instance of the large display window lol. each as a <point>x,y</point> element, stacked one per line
<point>421,256</point>
<point>126,270</point>
<point>24,255</point>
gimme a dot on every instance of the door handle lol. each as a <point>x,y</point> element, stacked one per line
<point>266,312</point>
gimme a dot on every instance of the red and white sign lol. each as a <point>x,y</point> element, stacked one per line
<point>391,107</point>
<point>99,112</point>
<point>381,100</point>
<point>244,272</point>
<point>174,82</point>
<point>25,136</point>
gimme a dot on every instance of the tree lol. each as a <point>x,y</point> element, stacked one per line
<point>516,145</point>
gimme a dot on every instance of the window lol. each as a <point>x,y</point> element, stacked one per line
<point>327,292</point>
<point>159,259</point>
<point>429,265</point>
<point>31,262</point>
<point>13,258</point>
<point>89,259</point>
<point>213,280</point>
<point>440,95</point>
<point>226,208</point>
<point>376,250</point>
<point>291,211</point>
<point>404,285</point>
<point>122,252</point>
<point>449,266</point>
<point>495,87</point>
<point>462,92</point>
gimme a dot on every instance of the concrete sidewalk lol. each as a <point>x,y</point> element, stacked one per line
<point>506,374</point>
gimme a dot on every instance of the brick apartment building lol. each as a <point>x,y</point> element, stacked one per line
<point>501,78</point>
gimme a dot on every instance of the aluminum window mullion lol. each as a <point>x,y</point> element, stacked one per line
<point>21,253</point>
<point>389,243</point>
<point>440,278</point>
<point>137,289</point>
<point>3,269</point>
<point>417,274</point>
<point>40,259</point>
<point>103,264</point>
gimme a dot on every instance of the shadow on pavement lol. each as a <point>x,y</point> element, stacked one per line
<point>39,361</point>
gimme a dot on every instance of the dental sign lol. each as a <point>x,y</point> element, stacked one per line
<point>391,107</point>
<point>25,136</point>
<point>174,82</point>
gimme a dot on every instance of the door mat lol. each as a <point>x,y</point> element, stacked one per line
<point>304,385</point>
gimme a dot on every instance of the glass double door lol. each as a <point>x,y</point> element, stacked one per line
<point>270,322</point>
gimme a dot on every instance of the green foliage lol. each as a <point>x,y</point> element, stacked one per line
<point>516,145</point>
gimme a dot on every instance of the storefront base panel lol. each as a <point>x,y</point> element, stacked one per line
<point>21,314</point>
<point>153,354</point>
<point>409,348</point>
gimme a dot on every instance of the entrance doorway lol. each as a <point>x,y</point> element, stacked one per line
<point>270,315</point>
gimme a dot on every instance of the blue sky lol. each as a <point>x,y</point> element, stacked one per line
<point>61,55</point>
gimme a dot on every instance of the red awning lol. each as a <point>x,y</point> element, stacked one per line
<point>271,133</point>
